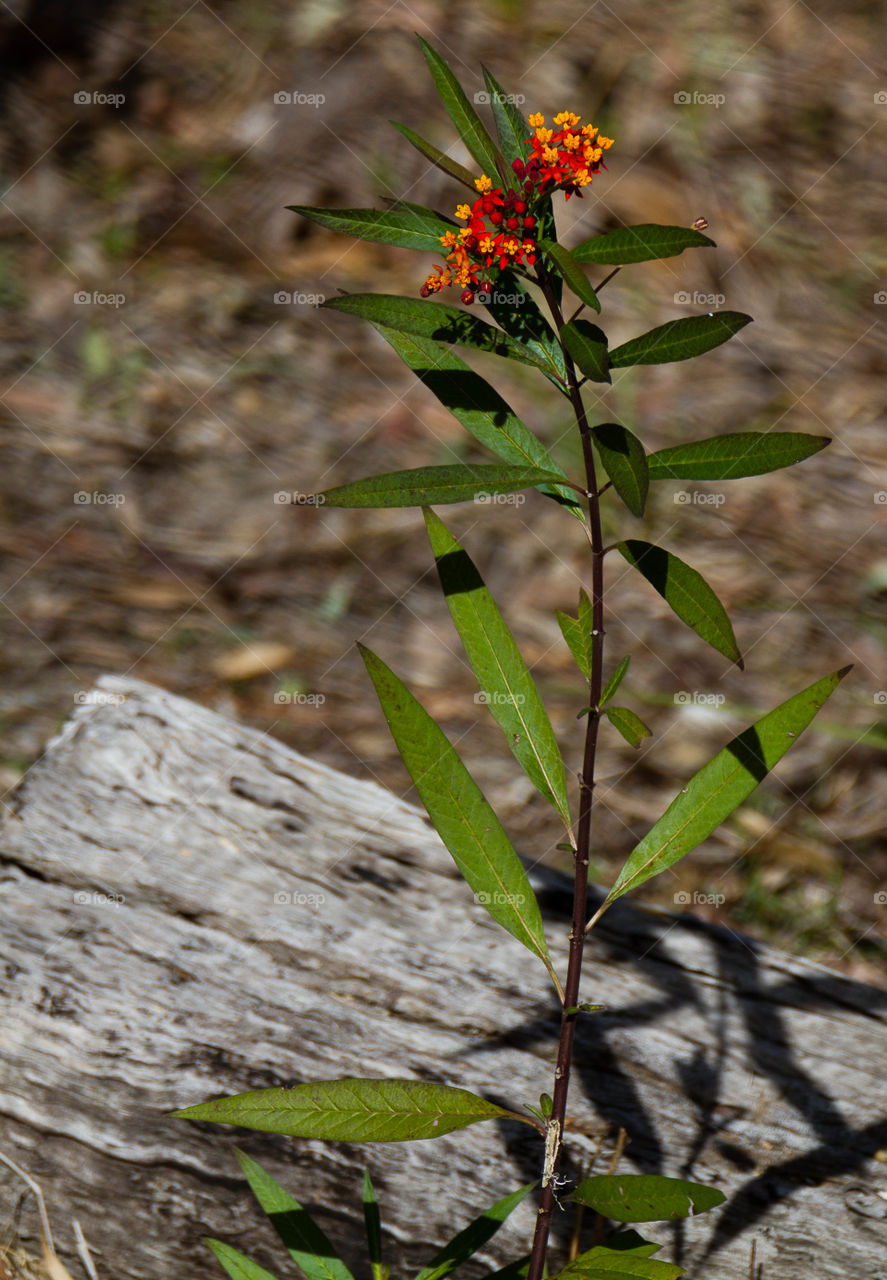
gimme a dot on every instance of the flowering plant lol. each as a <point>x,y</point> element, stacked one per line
<point>507,257</point>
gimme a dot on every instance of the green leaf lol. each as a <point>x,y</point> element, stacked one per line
<point>425,486</point>
<point>630,1241</point>
<point>434,320</point>
<point>479,408</point>
<point>514,310</point>
<point>601,1263</point>
<point>462,113</point>
<point>734,455</point>
<point>438,157</point>
<point>511,126</point>
<point>687,592</point>
<point>516,1270</point>
<point>642,1197</point>
<point>305,1242</point>
<point>642,243</point>
<point>679,339</point>
<point>373,1224</point>
<point>587,345</point>
<point>461,814</point>
<point>722,785</point>
<point>474,1237</point>
<point>625,462</point>
<point>615,680</point>
<point>237,1264</point>
<point>504,678</point>
<point>629,725</point>
<point>405,227</point>
<point>577,633</point>
<point>572,272</point>
<point>352,1110</point>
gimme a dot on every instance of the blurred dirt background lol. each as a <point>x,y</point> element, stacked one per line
<point>147,160</point>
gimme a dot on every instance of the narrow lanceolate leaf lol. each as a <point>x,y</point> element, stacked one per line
<point>438,157</point>
<point>587,345</point>
<point>572,273</point>
<point>629,725</point>
<point>373,1224</point>
<point>405,227</point>
<point>679,339</point>
<point>625,462</point>
<point>514,310</point>
<point>480,409</point>
<point>434,320</point>
<point>615,680</point>
<point>602,1263</point>
<point>504,678</point>
<point>511,126</point>
<point>352,1110</point>
<point>734,455</point>
<point>427,486</point>
<point>687,592</point>
<point>462,113</point>
<point>640,1197</point>
<point>642,243</point>
<point>722,785</point>
<point>474,1237</point>
<point>577,641</point>
<point>307,1244</point>
<point>461,814</point>
<point>237,1264</point>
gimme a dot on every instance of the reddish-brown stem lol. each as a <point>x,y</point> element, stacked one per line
<point>586,788</point>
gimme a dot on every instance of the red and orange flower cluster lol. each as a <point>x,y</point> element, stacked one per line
<point>501,225</point>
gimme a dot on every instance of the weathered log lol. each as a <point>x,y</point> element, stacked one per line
<point>190,909</point>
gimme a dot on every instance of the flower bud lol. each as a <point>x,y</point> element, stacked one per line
<point>468,296</point>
